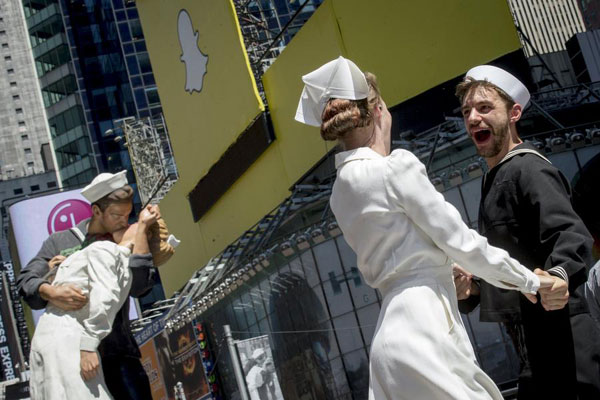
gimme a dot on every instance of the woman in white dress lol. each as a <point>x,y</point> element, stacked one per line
<point>64,360</point>
<point>405,237</point>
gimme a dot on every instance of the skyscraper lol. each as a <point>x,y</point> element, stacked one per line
<point>93,68</point>
<point>23,127</point>
<point>548,24</point>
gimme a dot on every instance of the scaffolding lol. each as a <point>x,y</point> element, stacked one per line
<point>149,146</point>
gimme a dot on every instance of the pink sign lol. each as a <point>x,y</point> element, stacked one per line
<point>67,214</point>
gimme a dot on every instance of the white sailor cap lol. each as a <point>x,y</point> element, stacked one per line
<point>257,353</point>
<point>340,79</point>
<point>104,184</point>
<point>505,81</point>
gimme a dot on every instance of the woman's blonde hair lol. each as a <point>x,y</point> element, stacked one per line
<point>340,116</point>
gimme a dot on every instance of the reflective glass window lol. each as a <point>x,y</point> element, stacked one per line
<point>136,81</point>
<point>310,269</point>
<point>132,65</point>
<point>132,14</point>
<point>248,309</point>
<point>152,95</point>
<point>144,61</point>
<point>239,312</point>
<point>128,48</point>
<point>367,319</point>
<point>148,79</point>
<point>124,31</point>
<point>348,333</point>
<point>340,379</point>
<point>136,29</point>
<point>337,295</point>
<point>140,46</point>
<point>328,260</point>
<point>357,370</point>
<point>120,15</point>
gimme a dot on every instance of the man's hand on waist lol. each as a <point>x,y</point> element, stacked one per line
<point>66,297</point>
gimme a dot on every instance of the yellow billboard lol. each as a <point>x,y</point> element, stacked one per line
<point>204,80</point>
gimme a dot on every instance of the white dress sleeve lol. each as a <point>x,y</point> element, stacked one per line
<point>105,298</point>
<point>411,192</point>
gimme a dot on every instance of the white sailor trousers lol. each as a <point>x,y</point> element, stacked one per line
<point>55,361</point>
<point>421,349</point>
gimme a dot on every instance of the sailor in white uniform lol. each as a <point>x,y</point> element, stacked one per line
<point>405,236</point>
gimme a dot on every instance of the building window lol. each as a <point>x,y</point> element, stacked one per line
<point>27,150</point>
<point>18,191</point>
<point>30,164</point>
<point>7,58</point>
<point>16,97</point>
<point>21,123</point>
<point>51,184</point>
<point>35,187</point>
<point>5,45</point>
<point>19,110</point>
<point>24,137</point>
<point>13,84</point>
<point>2,33</point>
<point>152,95</point>
<point>10,71</point>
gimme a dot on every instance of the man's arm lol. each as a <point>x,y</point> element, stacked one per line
<point>31,277</point>
<point>37,291</point>
<point>562,239</point>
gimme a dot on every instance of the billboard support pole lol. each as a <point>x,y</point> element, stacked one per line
<point>235,360</point>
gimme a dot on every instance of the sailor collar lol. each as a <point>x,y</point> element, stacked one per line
<point>362,153</point>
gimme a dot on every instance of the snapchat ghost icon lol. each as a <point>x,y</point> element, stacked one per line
<point>195,61</point>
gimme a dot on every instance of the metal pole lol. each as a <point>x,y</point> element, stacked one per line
<point>237,367</point>
<point>546,114</point>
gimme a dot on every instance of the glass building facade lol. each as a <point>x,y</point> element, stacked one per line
<point>94,69</point>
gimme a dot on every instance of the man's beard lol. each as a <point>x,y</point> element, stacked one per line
<point>498,137</point>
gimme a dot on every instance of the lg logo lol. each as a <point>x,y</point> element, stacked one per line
<point>68,214</point>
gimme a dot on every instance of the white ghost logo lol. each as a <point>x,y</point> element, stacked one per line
<point>195,61</point>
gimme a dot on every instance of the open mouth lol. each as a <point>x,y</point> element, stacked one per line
<point>482,136</point>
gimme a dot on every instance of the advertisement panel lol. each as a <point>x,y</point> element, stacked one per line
<point>35,219</point>
<point>153,370</point>
<point>180,363</point>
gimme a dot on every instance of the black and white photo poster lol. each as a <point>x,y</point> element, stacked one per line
<point>259,370</point>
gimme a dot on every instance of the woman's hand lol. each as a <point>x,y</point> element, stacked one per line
<point>149,215</point>
<point>89,364</point>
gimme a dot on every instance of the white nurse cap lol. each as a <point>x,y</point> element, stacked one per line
<point>340,79</point>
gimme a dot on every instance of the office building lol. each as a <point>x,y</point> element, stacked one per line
<point>546,25</point>
<point>94,70</point>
